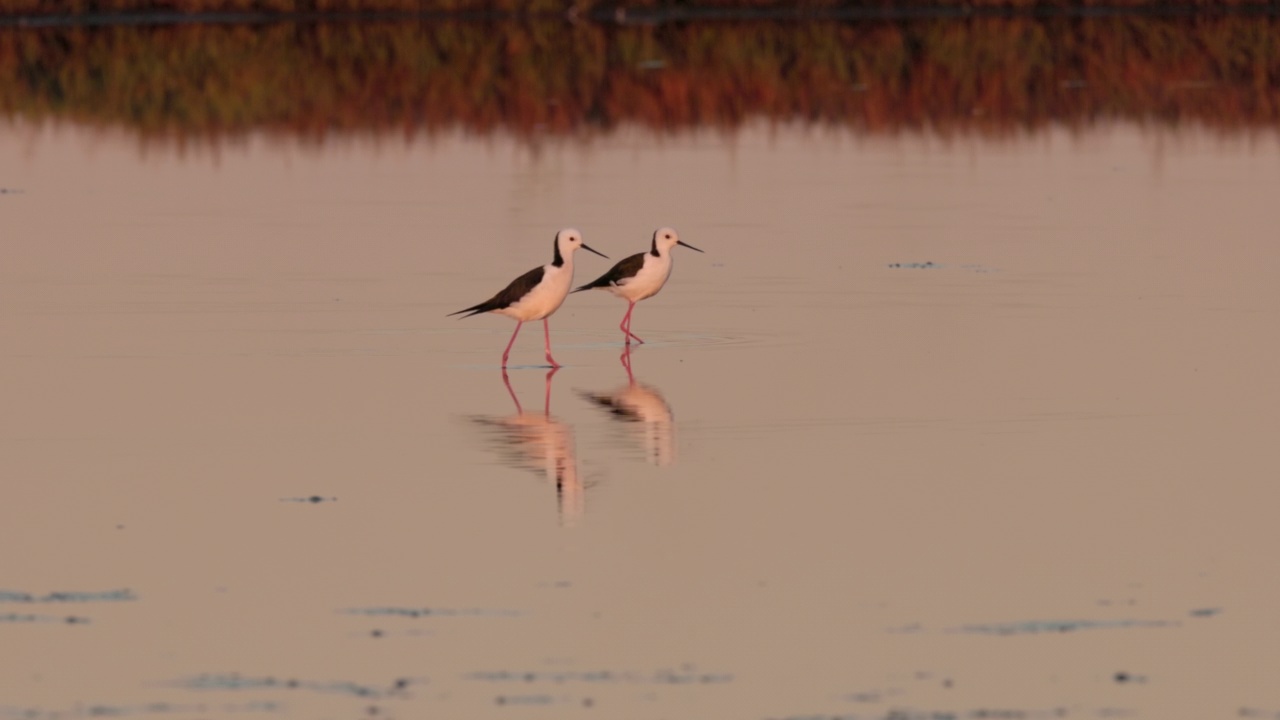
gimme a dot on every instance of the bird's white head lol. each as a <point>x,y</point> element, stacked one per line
<point>666,238</point>
<point>568,240</point>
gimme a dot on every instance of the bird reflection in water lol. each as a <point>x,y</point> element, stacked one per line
<point>641,404</point>
<point>540,443</point>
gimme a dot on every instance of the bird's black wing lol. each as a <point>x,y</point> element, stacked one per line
<point>509,296</point>
<point>626,268</point>
<point>607,402</point>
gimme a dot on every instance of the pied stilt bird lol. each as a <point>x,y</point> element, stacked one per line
<point>640,276</point>
<point>537,293</point>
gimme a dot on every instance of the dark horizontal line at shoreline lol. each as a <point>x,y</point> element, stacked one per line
<point>623,15</point>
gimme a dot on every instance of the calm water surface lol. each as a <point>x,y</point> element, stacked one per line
<point>942,428</point>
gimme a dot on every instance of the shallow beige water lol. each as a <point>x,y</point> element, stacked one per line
<point>1034,477</point>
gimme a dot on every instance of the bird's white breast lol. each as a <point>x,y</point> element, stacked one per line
<point>546,297</point>
<point>646,283</point>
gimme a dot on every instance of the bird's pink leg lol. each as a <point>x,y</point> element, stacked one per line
<point>547,328</point>
<point>507,381</point>
<point>626,363</point>
<point>626,334</point>
<point>507,352</point>
<point>546,403</point>
<point>625,326</point>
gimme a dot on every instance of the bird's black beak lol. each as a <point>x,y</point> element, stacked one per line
<point>588,247</point>
<point>681,242</point>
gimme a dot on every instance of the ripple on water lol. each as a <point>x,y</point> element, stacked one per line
<point>236,681</point>
<point>879,425</point>
<point>981,713</point>
<point>684,676</point>
<point>594,340</point>
<point>659,339</point>
<point>930,265</point>
<point>1204,612</point>
<point>18,596</point>
<point>524,699</point>
<point>154,708</point>
<point>420,612</point>
<point>38,618</point>
<point>1031,627</point>
<point>59,597</point>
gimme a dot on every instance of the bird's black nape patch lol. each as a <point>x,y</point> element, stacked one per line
<point>653,249</point>
<point>557,259</point>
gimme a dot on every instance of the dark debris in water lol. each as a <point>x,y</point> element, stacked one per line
<point>34,618</point>
<point>236,681</point>
<point>156,708</point>
<point>1123,677</point>
<point>1058,626</point>
<point>310,499</point>
<point>16,596</point>
<point>413,612</point>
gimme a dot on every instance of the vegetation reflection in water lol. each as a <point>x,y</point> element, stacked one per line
<point>988,74</point>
